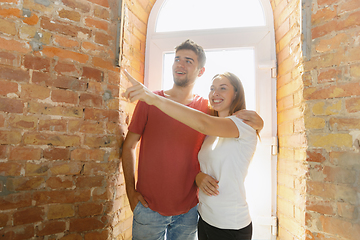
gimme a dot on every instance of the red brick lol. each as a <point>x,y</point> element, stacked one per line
<point>46,109</point>
<point>353,104</point>
<point>324,29</point>
<point>10,12</point>
<point>95,87</point>
<point>14,45</point>
<point>36,169</point>
<point>114,78</point>
<point>114,89</point>
<point>58,211</point>
<point>51,139</point>
<point>48,228</point>
<point>66,42</point>
<point>14,74</point>
<point>43,79</point>
<point>10,169</point>
<point>105,64</point>
<point>10,59</point>
<point>18,233</point>
<point>11,105</point>
<point>66,168</point>
<point>100,141</point>
<point>61,196</point>
<point>23,122</point>
<point>62,27</point>
<point>333,43</point>
<point>29,215</point>
<point>7,27</point>
<point>99,24</point>
<point>90,209</point>
<point>3,151</point>
<point>85,224</point>
<point>323,15</point>
<point>4,218</point>
<point>316,155</point>
<point>103,39</point>
<point>52,125</point>
<point>349,6</point>
<point>79,5</point>
<point>323,207</point>
<point>101,193</point>
<point>345,123</point>
<point>92,127</point>
<point>352,20</point>
<point>339,175</point>
<point>71,83</point>
<point>87,155</point>
<point>24,184</point>
<point>90,181</point>
<point>59,182</point>
<point>101,12</point>
<point>100,168</point>
<point>101,115</point>
<point>103,235</point>
<point>65,54</point>
<point>90,100</point>
<point>93,73</point>
<point>346,210</point>
<point>340,227</point>
<point>71,15</point>
<point>103,3</point>
<point>337,91</point>
<point>59,95</point>
<point>12,201</point>
<point>73,236</point>
<point>92,48</point>
<point>329,75</point>
<point>67,68</point>
<point>10,137</point>
<point>56,154</point>
<point>8,87</point>
<point>33,91</point>
<point>24,153</point>
<point>321,189</point>
<point>326,2</point>
<point>32,20</point>
<point>36,63</point>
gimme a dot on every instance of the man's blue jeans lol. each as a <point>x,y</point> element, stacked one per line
<point>150,225</point>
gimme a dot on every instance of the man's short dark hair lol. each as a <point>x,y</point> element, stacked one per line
<point>191,45</point>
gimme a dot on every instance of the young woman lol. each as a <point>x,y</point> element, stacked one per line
<point>224,156</point>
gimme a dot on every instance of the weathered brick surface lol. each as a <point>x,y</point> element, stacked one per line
<point>318,202</point>
<point>56,63</point>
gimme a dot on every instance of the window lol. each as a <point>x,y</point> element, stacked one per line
<point>209,14</point>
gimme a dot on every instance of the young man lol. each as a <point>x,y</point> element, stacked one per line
<point>164,201</point>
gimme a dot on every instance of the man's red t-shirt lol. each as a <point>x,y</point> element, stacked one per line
<point>168,162</point>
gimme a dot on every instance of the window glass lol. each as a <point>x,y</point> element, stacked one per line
<point>181,15</point>
<point>238,61</point>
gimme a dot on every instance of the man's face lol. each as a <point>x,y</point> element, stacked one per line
<point>186,68</point>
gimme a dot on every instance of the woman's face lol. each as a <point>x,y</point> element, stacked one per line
<point>221,95</point>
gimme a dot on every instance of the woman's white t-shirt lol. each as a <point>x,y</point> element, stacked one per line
<point>227,160</point>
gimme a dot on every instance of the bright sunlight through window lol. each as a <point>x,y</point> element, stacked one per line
<point>181,15</point>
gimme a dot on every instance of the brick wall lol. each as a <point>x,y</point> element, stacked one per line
<point>318,54</point>
<point>59,111</point>
<point>133,59</point>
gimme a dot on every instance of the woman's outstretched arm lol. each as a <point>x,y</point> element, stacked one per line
<point>199,121</point>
